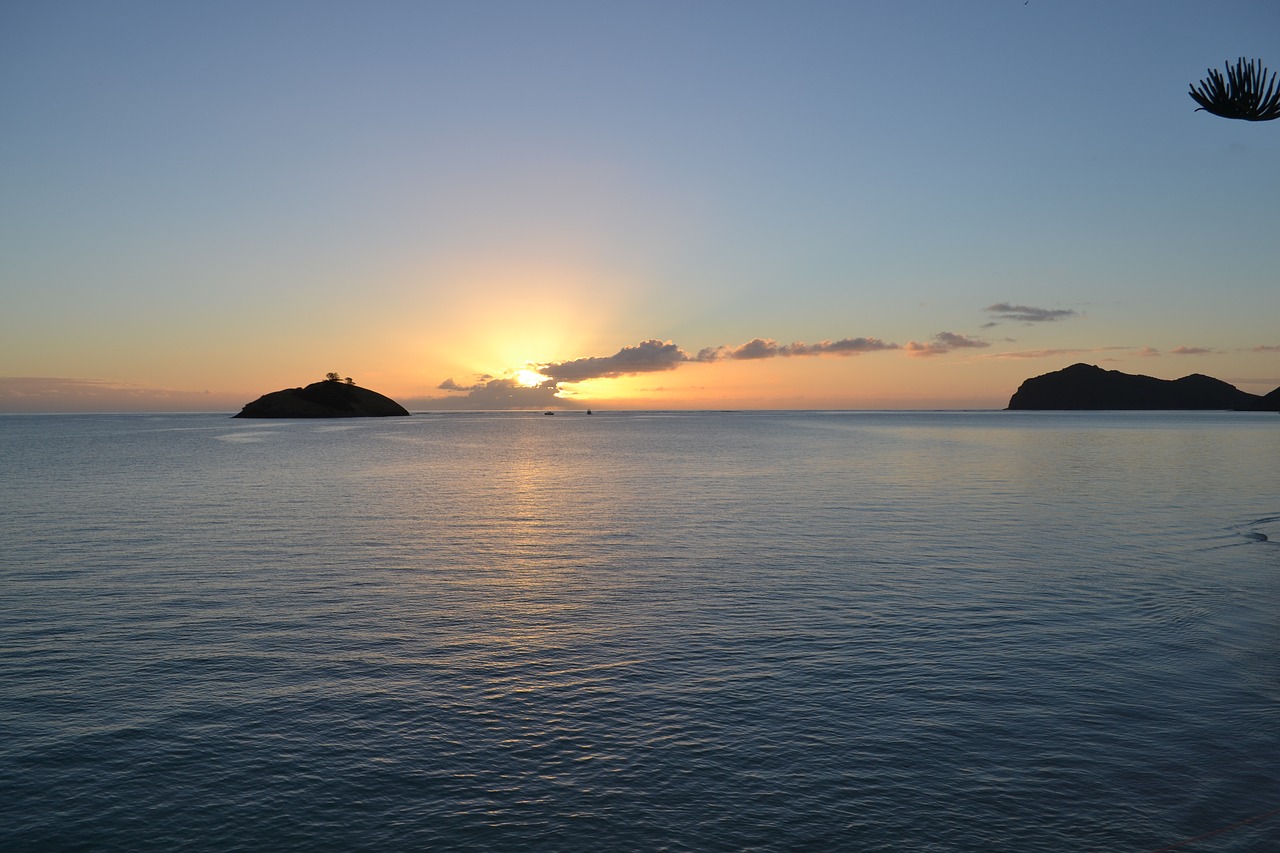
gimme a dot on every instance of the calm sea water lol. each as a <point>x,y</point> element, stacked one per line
<point>686,632</point>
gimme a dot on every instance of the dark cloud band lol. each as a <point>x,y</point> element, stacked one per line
<point>651,356</point>
<point>945,342</point>
<point>1028,313</point>
<point>645,357</point>
<point>758,348</point>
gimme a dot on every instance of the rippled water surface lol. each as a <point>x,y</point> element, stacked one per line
<point>733,631</point>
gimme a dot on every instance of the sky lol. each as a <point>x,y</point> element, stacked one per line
<point>627,205</point>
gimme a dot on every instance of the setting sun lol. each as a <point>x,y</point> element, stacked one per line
<point>530,378</point>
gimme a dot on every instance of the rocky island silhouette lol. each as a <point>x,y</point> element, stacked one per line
<point>1089,387</point>
<point>332,398</point>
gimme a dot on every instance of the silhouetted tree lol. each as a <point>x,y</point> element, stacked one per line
<point>349,381</point>
<point>1241,94</point>
<point>332,377</point>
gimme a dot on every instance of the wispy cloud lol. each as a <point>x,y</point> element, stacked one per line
<point>1152,352</point>
<point>1028,313</point>
<point>1266,348</point>
<point>61,394</point>
<point>1266,383</point>
<point>1051,353</point>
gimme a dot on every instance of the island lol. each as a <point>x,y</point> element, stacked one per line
<point>332,398</point>
<point>1089,387</point>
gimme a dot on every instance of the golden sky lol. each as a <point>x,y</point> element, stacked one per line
<point>199,208</point>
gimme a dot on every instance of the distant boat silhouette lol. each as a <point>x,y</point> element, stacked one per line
<point>588,411</point>
<point>548,413</point>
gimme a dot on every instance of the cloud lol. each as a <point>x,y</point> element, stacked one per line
<point>1190,351</point>
<point>753,349</point>
<point>958,341</point>
<point>1028,313</point>
<point>1051,353</point>
<point>1266,348</point>
<point>61,394</point>
<point>1266,382</point>
<point>1147,352</point>
<point>492,394</point>
<point>944,342</point>
<point>758,348</point>
<point>645,357</point>
<point>843,347</point>
<point>651,356</point>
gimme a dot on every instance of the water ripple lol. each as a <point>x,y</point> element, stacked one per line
<point>686,633</point>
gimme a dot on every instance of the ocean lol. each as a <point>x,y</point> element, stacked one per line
<point>764,631</point>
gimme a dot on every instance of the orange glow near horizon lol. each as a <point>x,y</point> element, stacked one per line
<point>873,381</point>
<point>497,313</point>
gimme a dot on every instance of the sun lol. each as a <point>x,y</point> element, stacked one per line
<point>530,378</point>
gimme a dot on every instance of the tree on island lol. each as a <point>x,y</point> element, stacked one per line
<point>333,377</point>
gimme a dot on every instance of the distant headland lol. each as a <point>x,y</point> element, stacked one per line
<point>1089,387</point>
<point>332,398</point>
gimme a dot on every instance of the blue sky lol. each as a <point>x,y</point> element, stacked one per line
<point>205,202</point>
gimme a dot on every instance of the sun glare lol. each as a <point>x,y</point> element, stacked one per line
<point>530,378</point>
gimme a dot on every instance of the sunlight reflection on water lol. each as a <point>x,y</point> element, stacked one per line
<point>692,632</point>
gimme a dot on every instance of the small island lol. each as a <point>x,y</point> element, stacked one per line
<point>1089,387</point>
<point>332,398</point>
